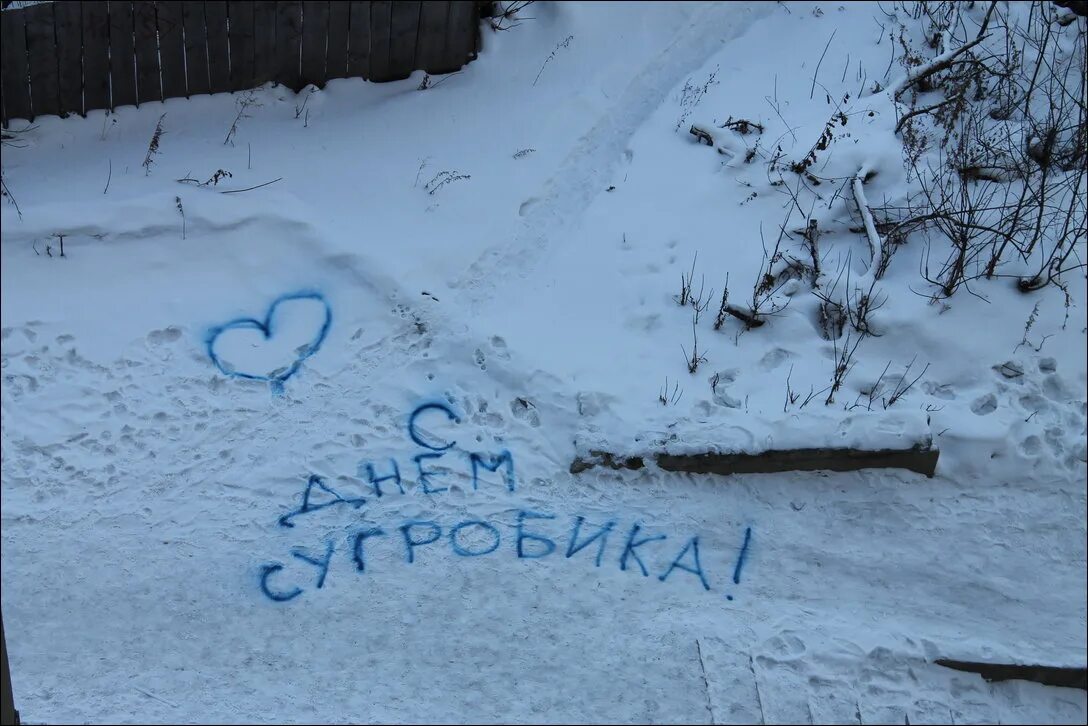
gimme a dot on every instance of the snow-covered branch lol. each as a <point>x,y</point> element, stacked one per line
<point>875,247</point>
<point>944,60</point>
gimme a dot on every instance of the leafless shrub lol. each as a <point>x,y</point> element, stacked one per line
<point>1006,196</point>
<point>837,119</point>
<point>1027,330</point>
<point>844,362</point>
<point>719,319</point>
<point>695,359</point>
<point>901,386</point>
<point>700,302</point>
<point>691,94</point>
<point>685,284</point>
<point>872,393</point>
<point>776,270</point>
<point>791,397</point>
<point>863,303</point>
<point>301,109</point>
<point>247,101</point>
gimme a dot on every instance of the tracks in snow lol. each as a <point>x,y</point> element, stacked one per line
<point>557,210</point>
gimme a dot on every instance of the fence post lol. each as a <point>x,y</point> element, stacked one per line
<point>8,714</point>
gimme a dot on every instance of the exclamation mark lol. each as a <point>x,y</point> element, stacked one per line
<point>740,560</point>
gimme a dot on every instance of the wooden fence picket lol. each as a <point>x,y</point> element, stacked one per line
<point>70,57</point>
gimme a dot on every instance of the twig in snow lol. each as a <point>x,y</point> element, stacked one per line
<point>774,105</point>
<point>691,95</point>
<point>844,363</point>
<point>701,302</point>
<point>108,177</point>
<point>161,700</point>
<point>666,397</point>
<point>564,44</point>
<point>1027,329</point>
<point>153,147</point>
<point>874,390</point>
<point>445,78</point>
<point>107,127</point>
<point>791,397</point>
<point>817,71</point>
<point>695,358</point>
<point>426,82</point>
<point>422,164</point>
<point>213,180</point>
<point>755,680</point>
<point>926,109</point>
<point>249,189</point>
<point>719,321</point>
<point>10,197</point>
<point>706,684</point>
<point>247,101</point>
<point>181,211</point>
<point>443,178</point>
<point>812,237</point>
<point>685,284</point>
<point>900,389</point>
<point>300,109</point>
<point>863,304</point>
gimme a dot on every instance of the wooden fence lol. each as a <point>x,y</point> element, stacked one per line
<point>74,57</point>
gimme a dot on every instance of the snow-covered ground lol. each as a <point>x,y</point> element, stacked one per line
<point>464,286</point>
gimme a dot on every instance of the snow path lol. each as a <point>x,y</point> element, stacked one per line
<point>549,216</point>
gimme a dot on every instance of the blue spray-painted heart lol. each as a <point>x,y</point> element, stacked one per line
<point>266,327</point>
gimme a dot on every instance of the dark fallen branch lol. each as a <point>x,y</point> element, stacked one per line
<point>701,134</point>
<point>921,458</point>
<point>1047,675</point>
<point>603,458</point>
<point>748,318</point>
<point>742,126</point>
<point>249,189</point>
<point>936,65</point>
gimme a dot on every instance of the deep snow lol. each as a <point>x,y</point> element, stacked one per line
<point>148,574</point>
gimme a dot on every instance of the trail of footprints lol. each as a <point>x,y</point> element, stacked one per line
<point>97,428</point>
<point>1042,407</point>
<point>794,677</point>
